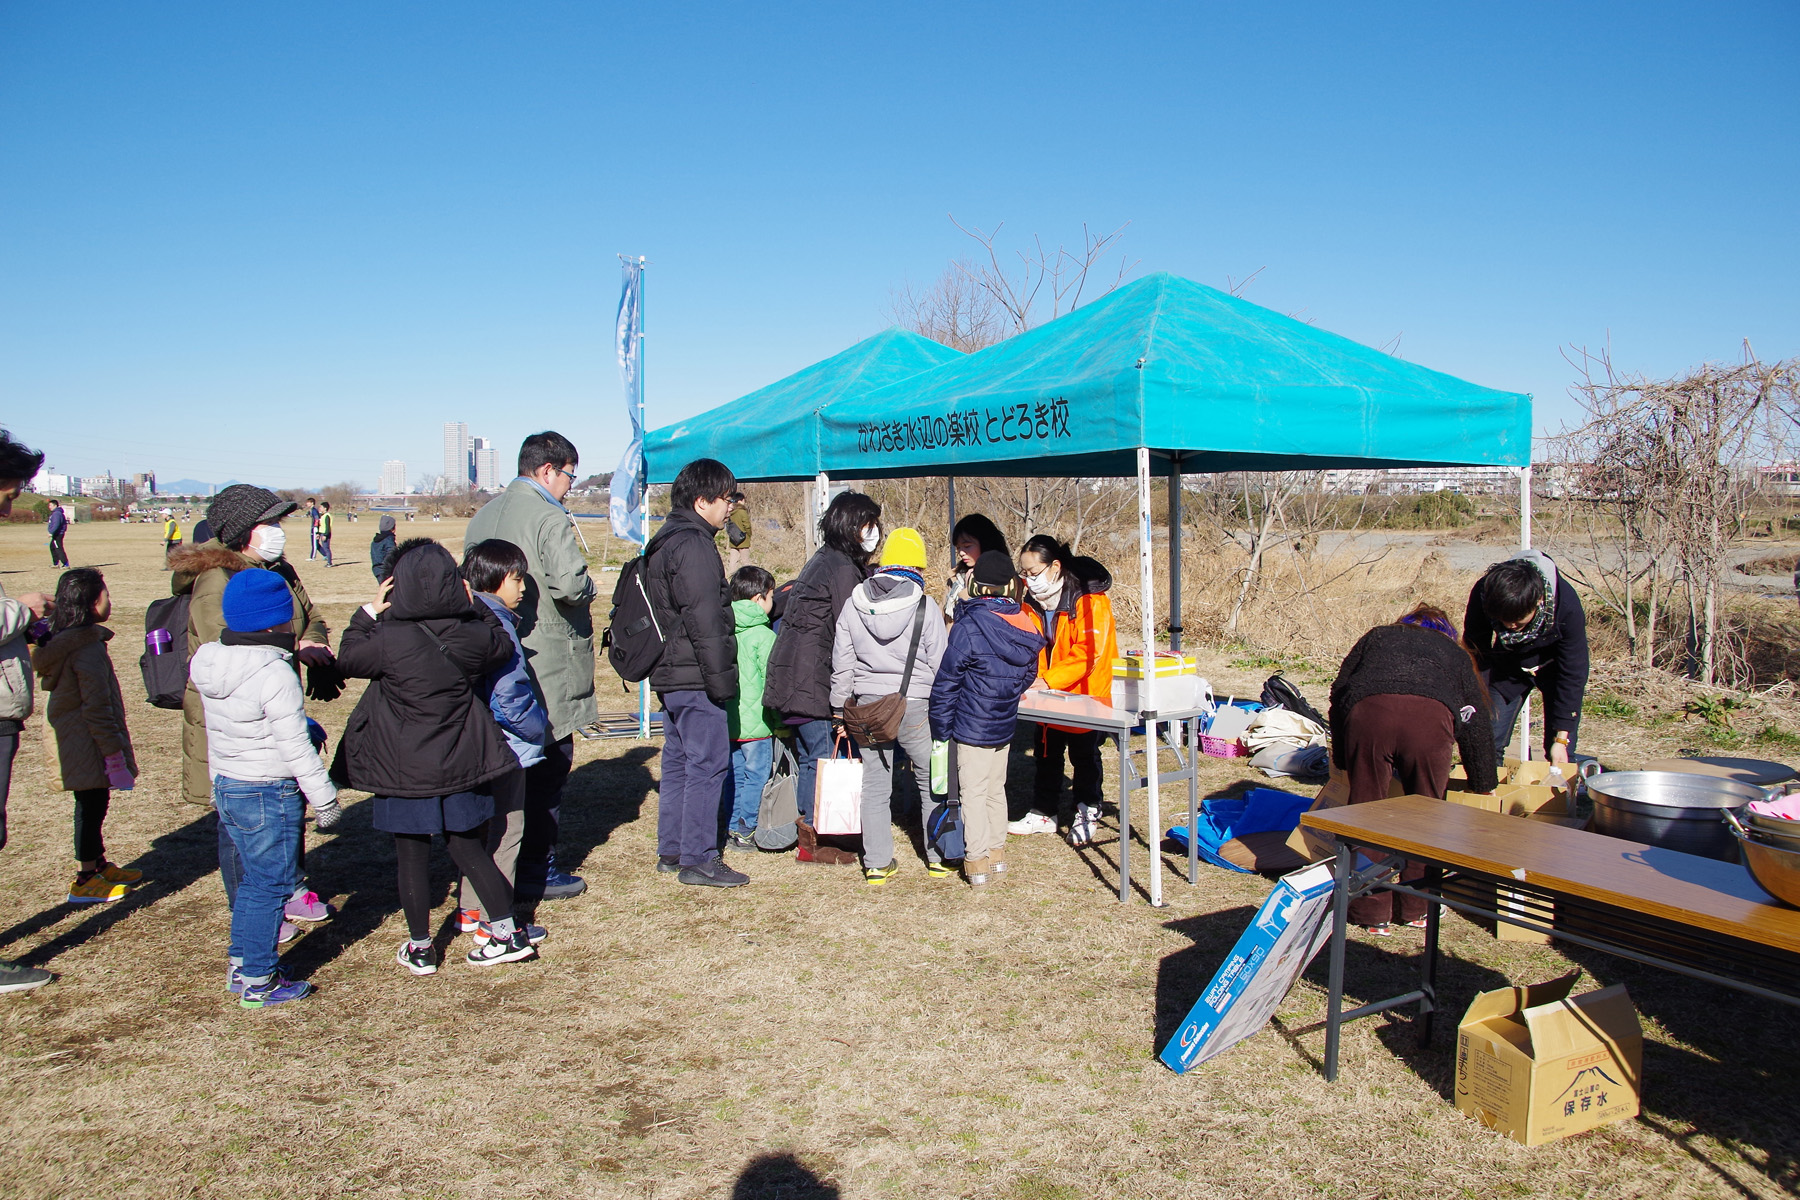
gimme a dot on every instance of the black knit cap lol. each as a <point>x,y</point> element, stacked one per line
<point>240,508</point>
<point>994,569</point>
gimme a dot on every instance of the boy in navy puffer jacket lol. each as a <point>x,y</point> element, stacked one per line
<point>989,663</point>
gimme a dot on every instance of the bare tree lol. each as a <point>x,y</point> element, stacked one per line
<point>955,310</point>
<point>1045,283</point>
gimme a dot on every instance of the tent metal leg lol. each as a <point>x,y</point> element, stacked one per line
<point>1175,552</point>
<point>1193,738</point>
<point>1153,830</point>
<point>1525,544</point>
<point>1127,786</point>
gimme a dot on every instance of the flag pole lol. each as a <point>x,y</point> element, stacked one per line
<point>644,501</point>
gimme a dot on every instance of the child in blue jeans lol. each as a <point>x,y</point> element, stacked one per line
<point>751,725</point>
<point>262,761</point>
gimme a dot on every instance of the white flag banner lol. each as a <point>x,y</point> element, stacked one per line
<point>626,503</point>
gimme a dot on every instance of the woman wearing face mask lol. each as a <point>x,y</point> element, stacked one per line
<point>799,680</point>
<point>1068,596</point>
<point>246,525</point>
<point>973,536</point>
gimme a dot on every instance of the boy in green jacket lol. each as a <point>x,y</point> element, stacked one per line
<point>752,726</point>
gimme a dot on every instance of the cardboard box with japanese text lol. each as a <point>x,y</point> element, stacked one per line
<point>1538,1064</point>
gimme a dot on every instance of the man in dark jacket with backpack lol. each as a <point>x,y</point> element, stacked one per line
<point>696,676</point>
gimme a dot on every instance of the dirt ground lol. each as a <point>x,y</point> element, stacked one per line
<point>801,1037</point>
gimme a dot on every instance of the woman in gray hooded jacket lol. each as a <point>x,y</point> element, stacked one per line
<point>868,659</point>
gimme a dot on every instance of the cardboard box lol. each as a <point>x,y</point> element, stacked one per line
<point>1287,931</point>
<point>1335,794</point>
<point>1536,1064</point>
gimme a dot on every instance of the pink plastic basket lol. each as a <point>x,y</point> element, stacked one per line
<point>1220,748</point>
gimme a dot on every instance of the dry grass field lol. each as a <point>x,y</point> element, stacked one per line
<point>801,1037</point>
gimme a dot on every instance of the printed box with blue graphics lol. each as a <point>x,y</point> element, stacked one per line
<point>1287,932</point>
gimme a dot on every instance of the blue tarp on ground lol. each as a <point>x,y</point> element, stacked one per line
<point>772,433</point>
<point>1173,365</point>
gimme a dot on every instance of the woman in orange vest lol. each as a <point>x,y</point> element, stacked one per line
<point>1068,597</point>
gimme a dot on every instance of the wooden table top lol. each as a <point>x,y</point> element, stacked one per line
<point>1682,888</point>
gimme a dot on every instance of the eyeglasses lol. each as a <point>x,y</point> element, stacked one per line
<point>569,475</point>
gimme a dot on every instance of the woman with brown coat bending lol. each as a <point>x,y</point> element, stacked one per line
<point>1406,696</point>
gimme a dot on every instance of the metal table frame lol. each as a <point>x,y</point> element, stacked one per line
<point>1182,736</point>
<point>1580,921</point>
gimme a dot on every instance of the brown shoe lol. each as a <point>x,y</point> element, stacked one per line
<point>978,871</point>
<point>998,867</point>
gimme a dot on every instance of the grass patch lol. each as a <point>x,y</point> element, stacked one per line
<point>1775,735</point>
<point>1606,704</point>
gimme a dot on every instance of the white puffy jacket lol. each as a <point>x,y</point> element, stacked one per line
<point>256,719</point>
<point>15,660</point>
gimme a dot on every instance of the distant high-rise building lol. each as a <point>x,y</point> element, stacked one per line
<point>145,483</point>
<point>459,459</point>
<point>487,465</point>
<point>51,483</point>
<point>393,477</point>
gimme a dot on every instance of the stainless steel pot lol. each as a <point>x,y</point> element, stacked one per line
<point>1670,809</point>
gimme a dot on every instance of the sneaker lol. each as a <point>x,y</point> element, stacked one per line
<point>560,885</point>
<point>713,873</point>
<point>305,905</point>
<point>234,978</point>
<point>113,873</point>
<point>877,876</point>
<point>667,864</point>
<point>1382,930</point>
<point>286,933</point>
<point>468,920</point>
<point>14,978</point>
<point>940,870</point>
<point>278,990</point>
<point>1083,828</point>
<point>484,933</point>
<point>741,841</point>
<point>1031,822</point>
<point>517,947</point>
<point>91,888</point>
<point>420,960</point>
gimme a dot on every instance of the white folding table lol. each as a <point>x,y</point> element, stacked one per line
<point>1042,707</point>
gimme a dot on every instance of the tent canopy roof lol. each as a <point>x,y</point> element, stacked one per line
<point>1186,370</point>
<point>772,433</point>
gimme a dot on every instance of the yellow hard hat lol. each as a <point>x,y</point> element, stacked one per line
<point>905,548</point>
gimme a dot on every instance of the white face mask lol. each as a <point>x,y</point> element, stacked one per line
<point>1042,586</point>
<point>871,539</point>
<point>268,542</point>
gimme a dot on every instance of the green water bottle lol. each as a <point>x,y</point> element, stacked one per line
<point>940,768</point>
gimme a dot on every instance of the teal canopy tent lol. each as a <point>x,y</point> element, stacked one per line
<point>1185,370</point>
<point>772,433</point>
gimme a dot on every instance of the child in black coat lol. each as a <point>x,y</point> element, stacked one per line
<point>423,742</point>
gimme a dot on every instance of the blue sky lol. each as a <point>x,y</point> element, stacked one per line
<point>285,243</point>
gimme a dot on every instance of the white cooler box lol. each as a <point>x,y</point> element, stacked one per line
<point>1178,682</point>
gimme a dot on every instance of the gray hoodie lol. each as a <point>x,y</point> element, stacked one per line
<point>873,634</point>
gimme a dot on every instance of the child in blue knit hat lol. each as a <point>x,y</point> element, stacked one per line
<point>262,761</point>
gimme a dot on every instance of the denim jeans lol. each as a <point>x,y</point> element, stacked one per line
<point>750,765</point>
<point>231,868</point>
<point>813,742</point>
<point>263,820</point>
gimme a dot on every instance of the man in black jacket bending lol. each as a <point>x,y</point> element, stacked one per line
<point>696,677</point>
<point>1527,628</point>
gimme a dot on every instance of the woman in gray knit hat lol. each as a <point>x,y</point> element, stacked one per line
<point>246,523</point>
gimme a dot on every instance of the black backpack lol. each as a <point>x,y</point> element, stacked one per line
<point>1279,693</point>
<point>165,674</point>
<point>634,641</point>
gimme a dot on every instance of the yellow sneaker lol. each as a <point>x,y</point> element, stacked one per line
<point>94,890</point>
<point>113,873</point>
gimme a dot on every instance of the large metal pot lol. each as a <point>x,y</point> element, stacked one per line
<point>1670,809</point>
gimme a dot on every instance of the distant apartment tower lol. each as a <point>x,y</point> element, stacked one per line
<point>487,465</point>
<point>393,477</point>
<point>145,483</point>
<point>458,457</point>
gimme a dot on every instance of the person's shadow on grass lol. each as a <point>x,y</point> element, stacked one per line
<point>781,1177</point>
<point>173,861</point>
<point>599,797</point>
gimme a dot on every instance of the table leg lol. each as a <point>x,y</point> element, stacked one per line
<point>1153,832</point>
<point>1125,816</point>
<point>1340,920</point>
<point>1193,733</point>
<point>1434,882</point>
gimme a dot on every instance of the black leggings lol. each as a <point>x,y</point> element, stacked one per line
<point>90,814</point>
<point>468,850</point>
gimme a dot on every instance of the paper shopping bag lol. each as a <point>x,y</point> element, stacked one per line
<point>837,802</point>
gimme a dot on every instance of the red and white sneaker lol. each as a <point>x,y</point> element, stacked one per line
<point>468,920</point>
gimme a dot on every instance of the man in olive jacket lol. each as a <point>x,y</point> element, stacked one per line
<point>557,630</point>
